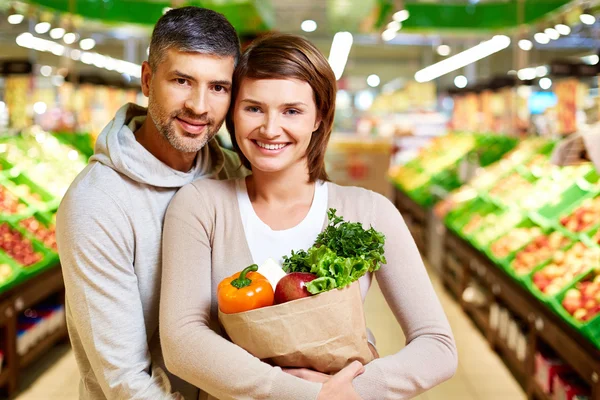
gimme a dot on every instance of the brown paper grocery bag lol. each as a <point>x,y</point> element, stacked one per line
<point>325,332</point>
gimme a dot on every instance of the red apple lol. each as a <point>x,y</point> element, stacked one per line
<point>293,287</point>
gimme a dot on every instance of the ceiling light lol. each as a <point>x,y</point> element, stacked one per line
<point>42,27</point>
<point>340,49</point>
<point>70,38</point>
<point>545,83</point>
<point>587,18</point>
<point>541,38</point>
<point>461,81</point>
<point>482,50</point>
<point>527,74</point>
<point>563,29</point>
<point>373,80</point>
<point>394,26</point>
<point>401,15</point>
<point>541,71</point>
<point>40,107</point>
<point>87,44</point>
<point>57,33</point>
<point>75,55</point>
<point>443,50</point>
<point>388,34</point>
<point>309,25</point>
<point>591,60</point>
<point>15,19</point>
<point>525,44</point>
<point>46,70</point>
<point>552,33</point>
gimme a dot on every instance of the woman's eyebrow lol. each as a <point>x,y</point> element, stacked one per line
<point>294,104</point>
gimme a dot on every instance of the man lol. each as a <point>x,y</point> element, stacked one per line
<point>109,224</point>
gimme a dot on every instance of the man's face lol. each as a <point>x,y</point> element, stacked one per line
<point>188,97</point>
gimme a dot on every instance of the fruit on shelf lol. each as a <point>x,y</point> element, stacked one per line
<point>9,203</point>
<point>495,225</point>
<point>6,273</point>
<point>583,301</point>
<point>514,240</point>
<point>46,235</point>
<point>542,248</point>
<point>511,188</point>
<point>565,267</point>
<point>584,217</point>
<point>18,247</point>
<point>25,193</point>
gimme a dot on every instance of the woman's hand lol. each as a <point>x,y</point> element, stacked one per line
<point>335,387</point>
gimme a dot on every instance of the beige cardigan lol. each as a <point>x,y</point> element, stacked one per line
<point>204,242</point>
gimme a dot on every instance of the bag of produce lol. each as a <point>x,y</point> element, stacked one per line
<point>314,317</point>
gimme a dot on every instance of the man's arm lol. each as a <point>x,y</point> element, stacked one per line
<point>96,247</point>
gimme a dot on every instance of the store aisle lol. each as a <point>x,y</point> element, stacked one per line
<point>481,374</point>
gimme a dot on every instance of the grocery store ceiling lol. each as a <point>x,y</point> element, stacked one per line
<point>400,57</point>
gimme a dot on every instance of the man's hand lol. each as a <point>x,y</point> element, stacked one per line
<point>335,387</point>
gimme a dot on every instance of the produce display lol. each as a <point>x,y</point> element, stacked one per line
<point>540,223</point>
<point>35,170</point>
<point>263,310</point>
<point>440,163</point>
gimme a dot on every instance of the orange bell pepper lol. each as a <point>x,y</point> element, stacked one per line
<point>244,291</point>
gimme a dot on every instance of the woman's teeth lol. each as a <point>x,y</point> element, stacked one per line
<point>271,146</point>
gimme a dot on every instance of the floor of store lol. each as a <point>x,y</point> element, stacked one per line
<point>481,374</point>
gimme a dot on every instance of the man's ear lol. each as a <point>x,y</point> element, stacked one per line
<point>146,78</point>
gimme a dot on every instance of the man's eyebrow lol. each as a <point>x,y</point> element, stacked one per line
<point>182,75</point>
<point>221,82</point>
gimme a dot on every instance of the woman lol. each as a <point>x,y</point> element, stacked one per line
<point>283,101</point>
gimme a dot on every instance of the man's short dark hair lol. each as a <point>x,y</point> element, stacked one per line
<point>194,30</point>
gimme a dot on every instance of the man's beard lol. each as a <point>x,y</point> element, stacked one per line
<point>185,143</point>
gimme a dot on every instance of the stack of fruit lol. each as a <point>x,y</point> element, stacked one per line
<point>18,247</point>
<point>511,188</point>
<point>494,225</point>
<point>514,240</point>
<point>584,217</point>
<point>46,235</point>
<point>541,249</point>
<point>9,203</point>
<point>583,301</point>
<point>565,267</point>
<point>6,273</point>
<point>28,195</point>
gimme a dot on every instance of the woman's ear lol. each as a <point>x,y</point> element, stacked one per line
<point>317,124</point>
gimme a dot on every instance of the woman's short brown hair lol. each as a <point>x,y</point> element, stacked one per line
<point>282,56</point>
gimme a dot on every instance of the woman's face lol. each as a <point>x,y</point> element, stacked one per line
<point>274,120</point>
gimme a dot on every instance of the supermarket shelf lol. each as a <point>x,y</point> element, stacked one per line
<point>4,376</point>
<point>480,318</point>
<point>517,366</point>
<point>42,347</point>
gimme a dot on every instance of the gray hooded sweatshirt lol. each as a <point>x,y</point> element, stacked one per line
<point>109,228</point>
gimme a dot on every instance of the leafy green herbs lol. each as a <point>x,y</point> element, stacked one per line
<point>342,253</point>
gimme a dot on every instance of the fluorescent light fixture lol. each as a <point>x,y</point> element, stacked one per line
<point>70,38</point>
<point>443,50</point>
<point>401,15</point>
<point>587,18</point>
<point>57,33</point>
<point>525,44</point>
<point>340,50</point>
<point>29,41</point>
<point>373,80</point>
<point>476,53</point>
<point>527,74</point>
<point>42,27</point>
<point>541,71</point>
<point>545,83</point>
<point>309,25</point>
<point>461,81</point>
<point>15,19</point>
<point>552,33</point>
<point>394,26</point>
<point>87,44</point>
<point>388,34</point>
<point>563,29</point>
<point>541,38</point>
